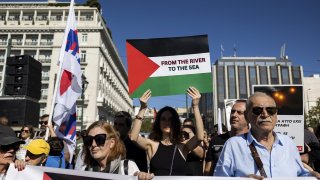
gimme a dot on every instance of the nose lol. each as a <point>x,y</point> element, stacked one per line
<point>94,144</point>
<point>264,112</point>
<point>27,158</point>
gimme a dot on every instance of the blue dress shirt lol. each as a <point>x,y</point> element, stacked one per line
<point>283,160</point>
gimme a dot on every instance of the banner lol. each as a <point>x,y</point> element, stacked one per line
<point>289,100</point>
<point>45,173</point>
<point>168,66</point>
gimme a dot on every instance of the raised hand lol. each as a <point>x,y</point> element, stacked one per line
<point>195,95</point>
<point>144,99</point>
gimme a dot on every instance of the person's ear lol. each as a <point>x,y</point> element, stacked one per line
<point>112,142</point>
<point>44,159</point>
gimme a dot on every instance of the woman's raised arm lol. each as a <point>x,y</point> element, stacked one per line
<point>143,142</point>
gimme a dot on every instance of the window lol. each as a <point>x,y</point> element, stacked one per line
<point>263,75</point>
<point>45,75</point>
<point>242,82</point>
<point>252,76</point>
<point>44,93</point>
<point>84,38</point>
<point>220,84</point>
<point>274,74</point>
<point>42,111</point>
<point>285,75</point>
<point>83,56</point>
<point>296,75</point>
<point>232,82</point>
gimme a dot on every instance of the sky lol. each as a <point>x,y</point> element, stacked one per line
<point>256,28</point>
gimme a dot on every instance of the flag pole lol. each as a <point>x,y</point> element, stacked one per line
<point>60,62</point>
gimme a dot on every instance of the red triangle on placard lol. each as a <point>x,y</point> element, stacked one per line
<point>140,67</point>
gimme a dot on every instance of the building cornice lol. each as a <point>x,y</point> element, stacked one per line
<point>46,29</point>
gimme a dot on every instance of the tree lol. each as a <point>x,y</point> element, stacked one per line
<point>313,116</point>
<point>146,125</point>
<point>93,3</point>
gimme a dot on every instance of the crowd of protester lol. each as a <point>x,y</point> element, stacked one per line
<point>172,148</point>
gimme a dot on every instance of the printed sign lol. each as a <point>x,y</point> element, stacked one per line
<point>168,66</point>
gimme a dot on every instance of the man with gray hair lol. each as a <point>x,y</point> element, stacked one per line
<point>261,153</point>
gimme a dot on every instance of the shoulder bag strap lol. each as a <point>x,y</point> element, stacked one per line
<point>125,166</point>
<point>256,158</point>
<point>174,153</point>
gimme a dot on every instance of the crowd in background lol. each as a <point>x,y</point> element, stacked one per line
<point>172,148</point>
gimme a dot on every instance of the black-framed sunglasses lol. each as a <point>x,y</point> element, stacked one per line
<point>100,139</point>
<point>14,146</point>
<point>270,110</point>
<point>239,112</point>
<point>43,122</point>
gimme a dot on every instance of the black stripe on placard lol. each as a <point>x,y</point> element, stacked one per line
<point>171,46</point>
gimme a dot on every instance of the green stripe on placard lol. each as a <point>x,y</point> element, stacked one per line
<point>172,85</point>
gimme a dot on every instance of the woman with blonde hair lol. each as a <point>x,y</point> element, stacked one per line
<point>104,152</point>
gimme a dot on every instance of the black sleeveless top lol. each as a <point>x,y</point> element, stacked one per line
<point>160,163</point>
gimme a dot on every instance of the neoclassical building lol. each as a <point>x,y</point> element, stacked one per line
<point>37,29</point>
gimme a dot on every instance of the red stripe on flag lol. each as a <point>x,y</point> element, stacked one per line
<point>46,177</point>
<point>65,81</point>
<point>73,46</point>
<point>140,67</point>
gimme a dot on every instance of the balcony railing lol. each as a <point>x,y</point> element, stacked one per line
<point>45,78</point>
<point>41,18</point>
<point>16,43</point>
<point>44,96</point>
<point>1,60</point>
<point>46,43</point>
<point>3,43</point>
<point>31,43</point>
<point>86,18</point>
<point>45,60</point>
<point>27,18</point>
<point>13,19</point>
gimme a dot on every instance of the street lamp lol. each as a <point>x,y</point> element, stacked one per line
<point>84,87</point>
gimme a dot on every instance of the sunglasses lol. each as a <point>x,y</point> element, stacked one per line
<point>185,135</point>
<point>239,112</point>
<point>14,146</point>
<point>26,131</point>
<point>270,110</point>
<point>43,122</point>
<point>33,156</point>
<point>100,139</point>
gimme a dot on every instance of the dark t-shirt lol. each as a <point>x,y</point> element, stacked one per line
<point>194,165</point>
<point>215,148</point>
<point>136,154</point>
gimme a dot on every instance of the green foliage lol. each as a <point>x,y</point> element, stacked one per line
<point>146,125</point>
<point>313,116</point>
<point>93,3</point>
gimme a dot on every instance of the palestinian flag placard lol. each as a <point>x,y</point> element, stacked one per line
<point>168,66</point>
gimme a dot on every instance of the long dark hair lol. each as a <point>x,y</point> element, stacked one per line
<point>31,131</point>
<point>175,125</point>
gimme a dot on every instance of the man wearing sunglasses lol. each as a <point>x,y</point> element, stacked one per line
<point>9,144</point>
<point>275,154</point>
